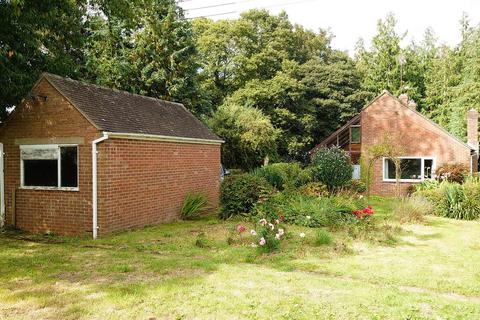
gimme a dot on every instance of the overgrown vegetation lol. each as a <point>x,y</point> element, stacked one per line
<point>452,199</point>
<point>194,205</point>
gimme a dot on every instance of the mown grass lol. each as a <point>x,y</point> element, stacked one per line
<point>427,271</point>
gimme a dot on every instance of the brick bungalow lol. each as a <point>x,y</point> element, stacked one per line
<point>425,144</point>
<point>83,159</point>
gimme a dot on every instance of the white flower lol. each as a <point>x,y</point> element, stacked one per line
<point>302,235</point>
<point>263,222</point>
<point>271,226</point>
<point>277,236</point>
<point>262,241</point>
<point>277,221</point>
<point>360,196</point>
<point>281,232</point>
<point>308,217</point>
<point>253,232</point>
<point>253,245</point>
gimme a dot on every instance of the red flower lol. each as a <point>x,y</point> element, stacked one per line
<point>241,228</point>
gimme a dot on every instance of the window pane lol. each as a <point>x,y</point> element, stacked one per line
<point>410,168</point>
<point>68,158</point>
<point>355,134</point>
<point>40,173</point>
<point>428,168</point>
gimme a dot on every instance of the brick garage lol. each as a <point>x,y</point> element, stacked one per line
<point>153,152</point>
<point>421,141</point>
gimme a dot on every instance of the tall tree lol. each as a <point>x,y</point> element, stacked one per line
<point>37,36</point>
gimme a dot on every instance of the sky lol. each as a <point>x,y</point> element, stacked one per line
<point>350,20</point>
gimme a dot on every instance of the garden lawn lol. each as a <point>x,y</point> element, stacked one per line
<point>429,271</point>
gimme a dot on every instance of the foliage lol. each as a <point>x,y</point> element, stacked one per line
<point>323,238</point>
<point>268,235</point>
<point>37,36</point>
<point>194,204</point>
<point>357,186</point>
<point>452,172</point>
<point>412,209</point>
<point>151,52</point>
<point>454,200</point>
<point>240,193</point>
<point>316,189</point>
<point>249,135</point>
<point>309,211</point>
<point>332,167</point>
<point>284,176</point>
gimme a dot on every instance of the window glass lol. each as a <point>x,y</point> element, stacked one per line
<point>40,173</point>
<point>355,132</point>
<point>42,165</point>
<point>68,158</point>
<point>410,169</point>
<point>428,168</point>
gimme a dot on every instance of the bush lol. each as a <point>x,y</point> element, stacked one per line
<point>284,176</point>
<point>333,167</point>
<point>323,238</point>
<point>453,200</point>
<point>452,172</point>
<point>194,205</point>
<point>357,186</point>
<point>240,193</point>
<point>309,211</point>
<point>412,210</point>
<point>314,189</point>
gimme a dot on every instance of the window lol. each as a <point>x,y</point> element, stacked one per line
<point>50,166</point>
<point>354,134</point>
<point>412,169</point>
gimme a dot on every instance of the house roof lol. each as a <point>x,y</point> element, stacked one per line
<point>115,111</point>
<point>386,92</point>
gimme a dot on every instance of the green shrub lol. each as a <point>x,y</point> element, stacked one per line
<point>323,238</point>
<point>284,176</point>
<point>315,189</point>
<point>333,167</point>
<point>412,210</point>
<point>453,200</point>
<point>194,205</point>
<point>309,211</point>
<point>240,193</point>
<point>357,186</point>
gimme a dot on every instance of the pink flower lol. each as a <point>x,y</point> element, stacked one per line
<point>277,221</point>
<point>241,229</point>
<point>262,241</point>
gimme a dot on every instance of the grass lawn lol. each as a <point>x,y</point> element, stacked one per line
<point>429,271</point>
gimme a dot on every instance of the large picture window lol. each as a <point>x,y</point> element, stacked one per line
<point>49,166</point>
<point>412,169</point>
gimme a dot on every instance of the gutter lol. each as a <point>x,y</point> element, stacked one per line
<point>155,137</point>
<point>94,185</point>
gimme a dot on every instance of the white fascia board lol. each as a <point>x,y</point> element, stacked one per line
<point>154,137</point>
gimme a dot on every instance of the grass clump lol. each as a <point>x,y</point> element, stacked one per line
<point>323,238</point>
<point>412,210</point>
<point>194,205</point>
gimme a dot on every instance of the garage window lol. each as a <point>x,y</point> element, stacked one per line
<point>49,166</point>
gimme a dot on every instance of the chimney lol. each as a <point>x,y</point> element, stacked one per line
<point>412,104</point>
<point>472,129</point>
<point>403,98</point>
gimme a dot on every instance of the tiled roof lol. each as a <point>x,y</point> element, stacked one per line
<point>117,111</point>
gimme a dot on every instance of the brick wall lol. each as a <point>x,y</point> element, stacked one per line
<point>414,134</point>
<point>61,212</point>
<point>145,182</point>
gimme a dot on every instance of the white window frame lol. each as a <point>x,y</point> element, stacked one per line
<point>422,169</point>
<point>59,167</point>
